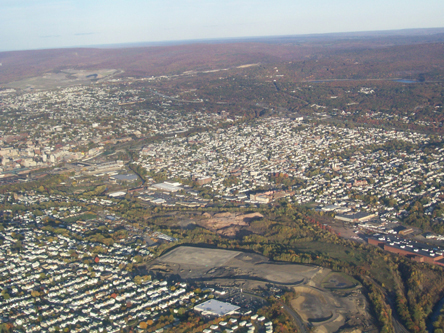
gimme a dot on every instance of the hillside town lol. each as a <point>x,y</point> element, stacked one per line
<point>116,163</point>
<point>341,170</point>
<point>336,168</point>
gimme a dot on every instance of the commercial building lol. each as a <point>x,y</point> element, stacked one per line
<point>262,198</point>
<point>167,187</point>
<point>202,180</point>
<point>357,217</point>
<point>117,194</point>
<point>270,196</point>
<point>216,308</point>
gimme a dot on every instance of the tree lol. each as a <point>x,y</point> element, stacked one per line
<point>5,294</point>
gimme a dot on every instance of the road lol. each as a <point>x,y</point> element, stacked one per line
<point>398,326</point>
<point>297,320</point>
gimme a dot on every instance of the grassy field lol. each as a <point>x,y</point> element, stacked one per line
<point>374,264</point>
<point>82,217</point>
<point>337,280</point>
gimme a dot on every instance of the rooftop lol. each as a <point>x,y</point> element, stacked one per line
<point>216,307</point>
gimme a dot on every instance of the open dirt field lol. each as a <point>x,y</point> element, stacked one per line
<point>197,263</point>
<point>228,224</point>
<point>193,256</point>
<point>328,311</point>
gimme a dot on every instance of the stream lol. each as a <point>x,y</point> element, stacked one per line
<point>435,315</point>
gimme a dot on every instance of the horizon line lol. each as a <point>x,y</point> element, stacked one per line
<point>359,33</point>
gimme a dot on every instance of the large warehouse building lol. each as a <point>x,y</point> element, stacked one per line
<point>216,308</point>
<point>411,249</point>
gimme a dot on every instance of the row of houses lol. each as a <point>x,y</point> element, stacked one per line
<point>48,284</point>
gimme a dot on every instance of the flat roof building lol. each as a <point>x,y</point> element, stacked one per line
<point>216,308</point>
<point>357,217</point>
<point>125,178</point>
<point>411,249</point>
<point>166,187</point>
<point>117,194</point>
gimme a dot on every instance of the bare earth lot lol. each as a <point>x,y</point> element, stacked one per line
<point>228,224</point>
<point>190,256</point>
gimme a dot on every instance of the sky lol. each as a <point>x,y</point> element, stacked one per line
<point>40,24</point>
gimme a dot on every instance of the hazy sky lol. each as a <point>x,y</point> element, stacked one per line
<point>32,24</point>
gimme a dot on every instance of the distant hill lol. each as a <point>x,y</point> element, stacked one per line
<point>411,50</point>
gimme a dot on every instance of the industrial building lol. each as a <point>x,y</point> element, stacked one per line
<point>104,167</point>
<point>408,248</point>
